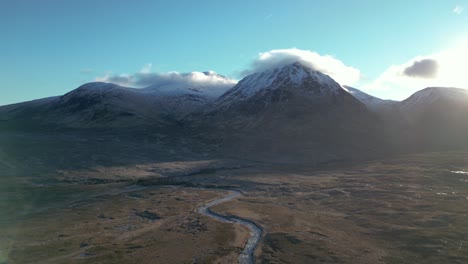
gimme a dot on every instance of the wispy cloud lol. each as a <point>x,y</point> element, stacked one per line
<point>458,10</point>
<point>267,17</point>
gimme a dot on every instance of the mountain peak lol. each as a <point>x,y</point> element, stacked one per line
<point>296,68</point>
<point>297,65</point>
<point>431,94</point>
<point>297,72</point>
<point>97,86</point>
<point>294,75</point>
<point>215,74</point>
<point>441,91</point>
<point>282,83</point>
<point>434,95</point>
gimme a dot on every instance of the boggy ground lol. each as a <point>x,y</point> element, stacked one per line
<point>124,225</point>
<point>411,209</point>
<point>408,209</point>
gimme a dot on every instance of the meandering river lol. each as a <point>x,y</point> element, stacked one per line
<point>247,255</point>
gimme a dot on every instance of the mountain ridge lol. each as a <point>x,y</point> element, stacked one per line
<point>291,112</point>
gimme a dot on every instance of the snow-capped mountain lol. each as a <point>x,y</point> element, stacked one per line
<point>179,99</point>
<point>436,117</point>
<point>209,85</point>
<point>100,104</point>
<point>90,105</point>
<point>438,104</point>
<point>96,104</point>
<point>372,102</point>
<point>293,77</point>
<point>293,109</point>
<point>427,97</point>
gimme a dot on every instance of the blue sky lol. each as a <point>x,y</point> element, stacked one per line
<point>50,47</point>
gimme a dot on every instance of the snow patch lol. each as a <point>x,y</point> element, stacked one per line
<point>293,74</point>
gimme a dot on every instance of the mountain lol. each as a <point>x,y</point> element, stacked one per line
<point>434,97</point>
<point>278,85</point>
<point>293,112</point>
<point>290,113</point>
<point>18,110</point>
<point>218,85</point>
<point>179,100</point>
<point>90,105</point>
<point>437,117</point>
<point>100,104</point>
<point>373,103</point>
<point>430,119</point>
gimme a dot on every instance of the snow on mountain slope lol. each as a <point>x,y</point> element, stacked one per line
<point>109,94</point>
<point>101,104</point>
<point>294,77</point>
<point>372,102</point>
<point>430,95</point>
<point>291,111</point>
<point>363,97</point>
<point>187,97</point>
<point>208,84</point>
<point>98,104</point>
<point>165,100</point>
<point>283,96</point>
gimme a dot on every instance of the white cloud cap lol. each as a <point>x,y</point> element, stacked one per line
<point>326,64</point>
<point>209,81</point>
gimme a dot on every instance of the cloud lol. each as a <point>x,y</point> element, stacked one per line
<point>425,68</point>
<point>327,64</point>
<point>171,80</point>
<point>458,10</point>
<point>446,68</point>
<point>122,79</point>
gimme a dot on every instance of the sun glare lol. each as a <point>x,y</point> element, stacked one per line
<point>454,64</point>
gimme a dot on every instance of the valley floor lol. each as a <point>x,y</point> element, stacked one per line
<point>408,209</point>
